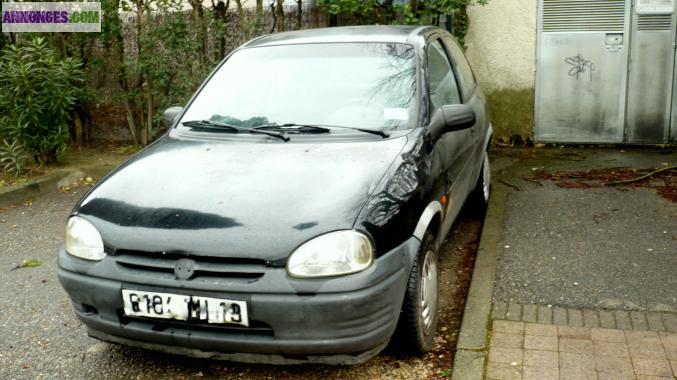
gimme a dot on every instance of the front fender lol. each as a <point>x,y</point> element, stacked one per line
<point>433,209</point>
<point>406,200</point>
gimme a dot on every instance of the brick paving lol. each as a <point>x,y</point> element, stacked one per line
<point>531,350</point>
<point>610,319</point>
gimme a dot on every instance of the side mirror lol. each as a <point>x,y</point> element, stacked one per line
<point>450,118</point>
<point>170,115</point>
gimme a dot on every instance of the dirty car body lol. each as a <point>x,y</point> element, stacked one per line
<point>301,232</point>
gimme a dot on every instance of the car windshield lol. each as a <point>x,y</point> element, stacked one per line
<point>357,85</point>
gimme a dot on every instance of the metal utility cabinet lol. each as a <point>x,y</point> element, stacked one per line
<point>605,72</point>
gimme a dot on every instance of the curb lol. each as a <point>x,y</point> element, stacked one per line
<point>51,182</point>
<point>471,349</point>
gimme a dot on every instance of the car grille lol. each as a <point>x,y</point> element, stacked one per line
<point>243,269</point>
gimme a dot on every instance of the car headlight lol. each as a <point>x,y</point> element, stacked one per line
<point>83,240</point>
<point>333,254</point>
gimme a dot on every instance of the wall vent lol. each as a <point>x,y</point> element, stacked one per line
<point>583,16</point>
<point>654,22</point>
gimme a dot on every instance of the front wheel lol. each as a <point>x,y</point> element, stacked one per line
<point>418,321</point>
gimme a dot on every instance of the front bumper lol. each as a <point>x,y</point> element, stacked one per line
<point>342,320</point>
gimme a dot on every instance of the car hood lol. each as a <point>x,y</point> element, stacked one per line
<point>236,198</point>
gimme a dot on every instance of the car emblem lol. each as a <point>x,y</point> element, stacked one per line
<point>184,269</point>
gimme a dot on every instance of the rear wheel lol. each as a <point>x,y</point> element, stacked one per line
<point>479,197</point>
<point>418,321</point>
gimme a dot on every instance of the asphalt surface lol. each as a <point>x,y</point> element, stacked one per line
<point>40,337</point>
<point>590,248</point>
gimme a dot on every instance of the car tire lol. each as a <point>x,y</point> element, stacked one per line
<point>479,197</point>
<point>418,320</point>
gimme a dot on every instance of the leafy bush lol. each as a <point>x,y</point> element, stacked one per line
<point>427,12</point>
<point>3,40</point>
<point>13,158</point>
<point>38,90</point>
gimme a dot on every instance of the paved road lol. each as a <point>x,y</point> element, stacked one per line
<point>41,338</point>
<point>590,248</point>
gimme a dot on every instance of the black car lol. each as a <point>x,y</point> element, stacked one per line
<point>294,209</point>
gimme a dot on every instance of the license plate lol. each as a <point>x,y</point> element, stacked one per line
<point>185,308</point>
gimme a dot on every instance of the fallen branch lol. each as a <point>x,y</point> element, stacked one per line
<point>561,156</point>
<point>532,181</point>
<point>509,184</point>
<point>653,173</point>
<point>569,159</point>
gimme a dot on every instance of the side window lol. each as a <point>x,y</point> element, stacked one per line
<point>463,70</point>
<point>441,81</point>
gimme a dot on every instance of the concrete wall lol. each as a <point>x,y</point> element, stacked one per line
<point>501,45</point>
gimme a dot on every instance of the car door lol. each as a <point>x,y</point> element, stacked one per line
<point>453,149</point>
<point>472,96</point>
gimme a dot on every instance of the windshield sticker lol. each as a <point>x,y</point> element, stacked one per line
<point>396,114</point>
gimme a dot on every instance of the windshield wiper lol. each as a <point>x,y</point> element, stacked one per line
<point>209,124</point>
<point>378,132</point>
<point>292,127</point>
<point>322,128</point>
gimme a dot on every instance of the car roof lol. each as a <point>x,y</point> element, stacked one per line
<point>373,33</point>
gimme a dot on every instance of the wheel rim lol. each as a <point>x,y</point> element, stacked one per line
<point>429,290</point>
<point>486,177</point>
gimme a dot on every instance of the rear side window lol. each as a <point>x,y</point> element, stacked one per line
<point>441,81</point>
<point>463,70</point>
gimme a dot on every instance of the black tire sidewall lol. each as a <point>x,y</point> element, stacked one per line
<point>478,204</point>
<point>416,340</point>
